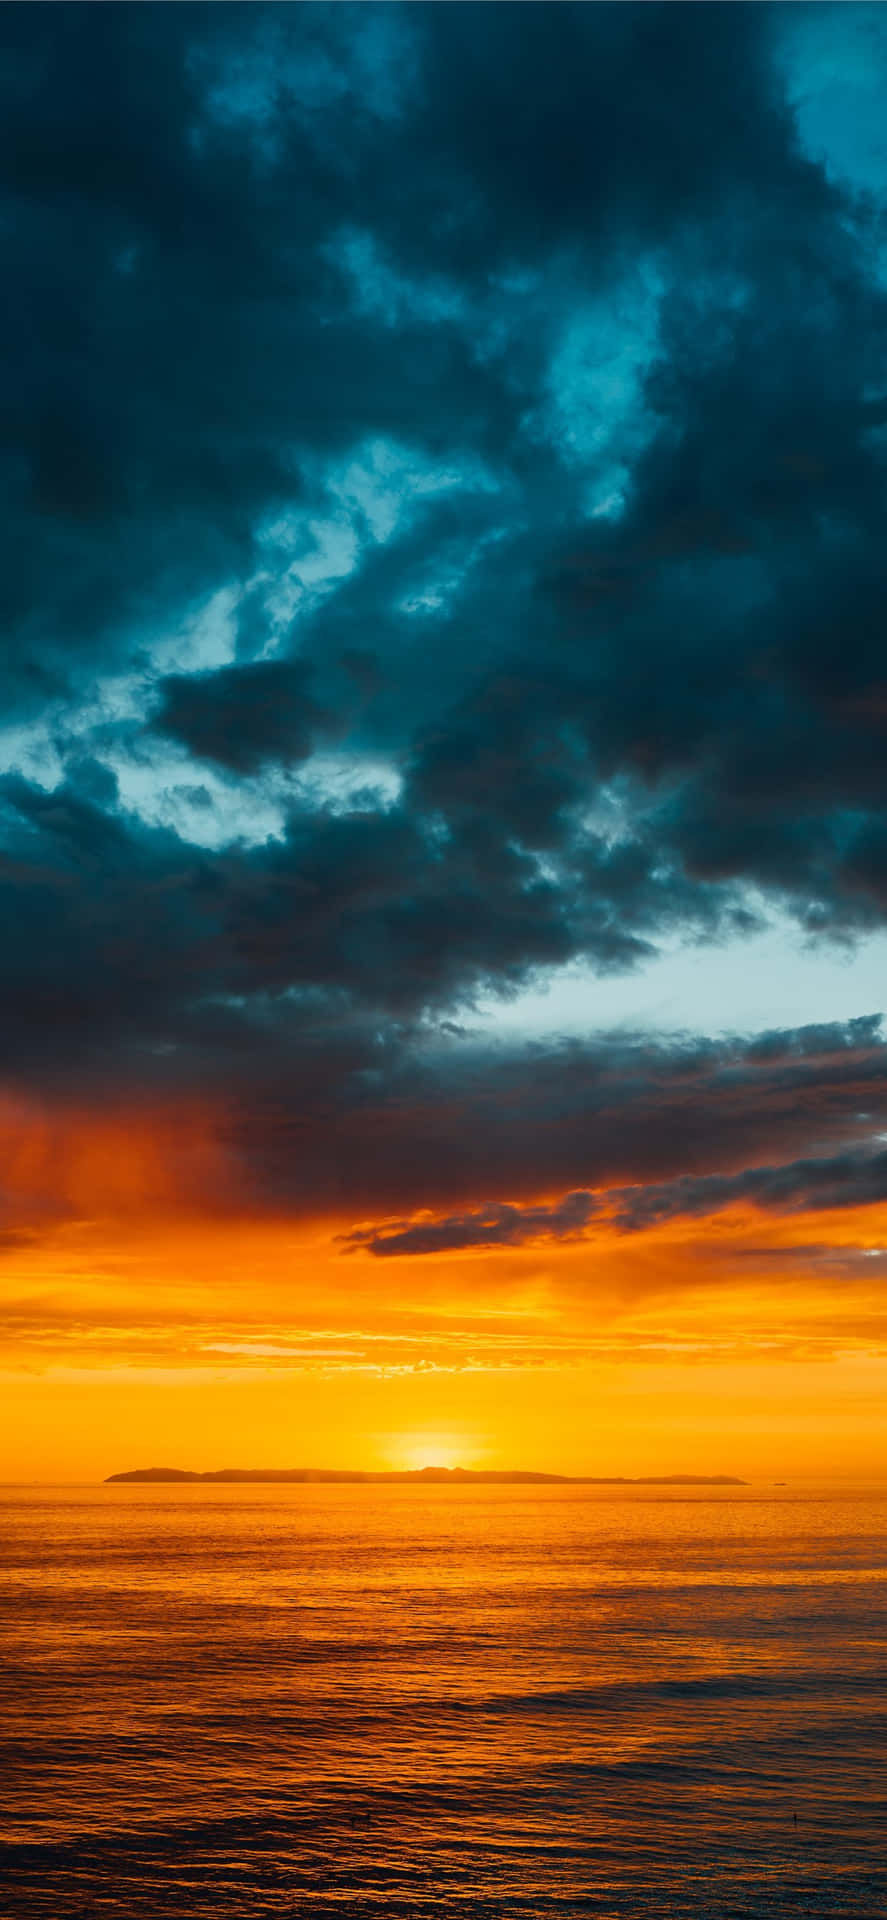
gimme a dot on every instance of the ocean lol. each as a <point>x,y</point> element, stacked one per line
<point>474,1701</point>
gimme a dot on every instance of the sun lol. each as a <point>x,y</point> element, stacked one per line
<point>413,1451</point>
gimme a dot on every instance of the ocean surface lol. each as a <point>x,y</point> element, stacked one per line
<point>431,1701</point>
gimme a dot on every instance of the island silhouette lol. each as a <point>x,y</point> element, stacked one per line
<point>436,1476</point>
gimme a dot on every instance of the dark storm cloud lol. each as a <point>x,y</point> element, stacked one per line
<point>372,906</point>
<point>408,1127</point>
<point>498,1225</point>
<point>243,716</point>
<point>342,1098</point>
<point>545,323</point>
<point>844,1180</point>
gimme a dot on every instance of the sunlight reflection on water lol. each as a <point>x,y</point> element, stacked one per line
<point>480,1701</point>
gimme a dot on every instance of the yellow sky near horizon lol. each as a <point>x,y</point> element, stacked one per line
<point>742,1344</point>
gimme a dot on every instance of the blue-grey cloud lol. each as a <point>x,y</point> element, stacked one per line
<point>497,1225</point>
<point>855,1179</point>
<point>243,716</point>
<point>444,465</point>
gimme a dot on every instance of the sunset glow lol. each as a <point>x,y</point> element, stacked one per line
<point>726,1338</point>
<point>443,743</point>
<point>416,1451</point>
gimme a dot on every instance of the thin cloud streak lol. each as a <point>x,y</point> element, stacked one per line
<point>849,1180</point>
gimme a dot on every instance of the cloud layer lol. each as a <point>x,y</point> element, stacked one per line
<point>444,453</point>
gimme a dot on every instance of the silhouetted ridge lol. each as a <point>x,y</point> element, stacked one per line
<point>445,1476</point>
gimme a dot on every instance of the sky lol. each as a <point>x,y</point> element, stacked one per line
<point>442,737</point>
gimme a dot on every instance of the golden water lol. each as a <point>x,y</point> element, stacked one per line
<point>476,1701</point>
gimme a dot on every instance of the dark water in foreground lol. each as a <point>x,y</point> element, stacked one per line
<point>395,1701</point>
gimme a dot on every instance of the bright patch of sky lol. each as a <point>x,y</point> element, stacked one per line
<point>382,293</point>
<point>306,558</point>
<point>593,409</point>
<point>835,63</point>
<point>250,80</point>
<point>165,788</point>
<point>374,494</point>
<point>385,481</point>
<point>437,591</point>
<point>769,979</point>
<point>348,783</point>
<point>157,780</point>
<point>206,638</point>
<point>511,307</point>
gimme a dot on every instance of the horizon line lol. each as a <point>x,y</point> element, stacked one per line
<point>427,1475</point>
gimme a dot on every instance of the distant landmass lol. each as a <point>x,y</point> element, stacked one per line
<point>435,1476</point>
